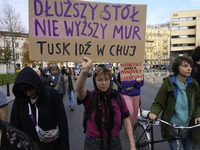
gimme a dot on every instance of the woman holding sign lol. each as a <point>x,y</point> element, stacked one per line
<point>131,93</point>
<point>105,110</point>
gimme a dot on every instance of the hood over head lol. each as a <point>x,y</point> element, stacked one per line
<point>29,76</point>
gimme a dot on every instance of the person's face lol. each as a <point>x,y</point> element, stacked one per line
<point>32,93</point>
<point>55,71</point>
<point>103,82</point>
<point>185,69</point>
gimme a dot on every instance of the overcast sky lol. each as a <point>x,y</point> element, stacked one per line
<point>157,11</point>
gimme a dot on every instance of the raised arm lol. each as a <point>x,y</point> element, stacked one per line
<point>81,91</point>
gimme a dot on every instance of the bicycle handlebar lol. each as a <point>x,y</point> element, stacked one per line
<point>145,114</point>
<point>176,126</point>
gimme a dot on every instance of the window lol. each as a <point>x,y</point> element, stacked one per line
<point>17,56</point>
<point>165,31</point>
<point>176,19</point>
<point>150,31</point>
<point>16,45</point>
<point>175,28</point>
<point>154,31</point>
<point>183,28</point>
<point>147,50</point>
<point>155,50</point>
<point>158,37</point>
<point>158,43</point>
<point>183,19</point>
<point>159,49</point>
<point>155,37</point>
<point>151,49</point>
<point>151,56</point>
<point>155,43</point>
<point>151,38</point>
<point>147,31</point>
<point>147,56</point>
<point>151,44</point>
<point>147,36</point>
<point>147,44</point>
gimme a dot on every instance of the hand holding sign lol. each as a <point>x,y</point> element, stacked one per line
<point>139,80</point>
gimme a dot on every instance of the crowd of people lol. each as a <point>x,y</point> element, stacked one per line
<point>39,121</point>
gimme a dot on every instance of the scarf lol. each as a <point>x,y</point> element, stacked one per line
<point>104,117</point>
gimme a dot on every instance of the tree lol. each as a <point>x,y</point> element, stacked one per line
<point>5,55</point>
<point>11,23</point>
<point>25,53</point>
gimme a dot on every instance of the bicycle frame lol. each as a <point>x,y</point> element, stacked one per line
<point>148,131</point>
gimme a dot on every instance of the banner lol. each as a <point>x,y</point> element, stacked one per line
<point>68,30</point>
<point>131,71</point>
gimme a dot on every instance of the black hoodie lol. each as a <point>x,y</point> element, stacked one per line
<point>51,111</point>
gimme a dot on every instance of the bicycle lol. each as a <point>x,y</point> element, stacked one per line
<point>143,131</point>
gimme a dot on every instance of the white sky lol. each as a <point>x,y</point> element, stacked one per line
<point>157,11</point>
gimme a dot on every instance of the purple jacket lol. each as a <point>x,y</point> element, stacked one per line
<point>136,89</point>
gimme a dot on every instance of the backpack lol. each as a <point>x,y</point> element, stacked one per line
<point>92,105</point>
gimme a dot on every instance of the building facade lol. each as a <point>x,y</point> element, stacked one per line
<point>157,45</point>
<point>185,32</point>
<point>6,41</point>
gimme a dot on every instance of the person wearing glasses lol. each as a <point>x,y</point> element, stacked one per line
<point>103,127</point>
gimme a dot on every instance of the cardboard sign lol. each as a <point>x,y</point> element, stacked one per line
<point>67,30</point>
<point>130,71</point>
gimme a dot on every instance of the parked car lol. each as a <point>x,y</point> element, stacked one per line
<point>166,68</point>
<point>163,68</point>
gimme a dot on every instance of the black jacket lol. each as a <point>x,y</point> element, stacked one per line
<point>51,112</point>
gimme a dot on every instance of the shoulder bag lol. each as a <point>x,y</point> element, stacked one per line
<point>57,86</point>
<point>44,136</point>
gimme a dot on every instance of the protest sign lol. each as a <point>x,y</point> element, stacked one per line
<point>68,30</point>
<point>130,71</point>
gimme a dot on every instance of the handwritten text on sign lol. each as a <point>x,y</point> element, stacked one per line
<point>63,29</point>
<point>131,71</point>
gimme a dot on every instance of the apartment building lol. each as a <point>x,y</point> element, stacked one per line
<point>6,40</point>
<point>185,32</point>
<point>157,45</point>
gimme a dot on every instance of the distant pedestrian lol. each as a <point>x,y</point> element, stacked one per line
<point>56,80</point>
<point>196,65</point>
<point>63,70</point>
<point>70,82</point>
<point>114,79</point>
<point>38,111</point>
<point>41,77</point>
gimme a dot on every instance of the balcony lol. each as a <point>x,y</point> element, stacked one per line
<point>149,40</point>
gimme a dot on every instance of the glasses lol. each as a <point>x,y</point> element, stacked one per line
<point>100,80</point>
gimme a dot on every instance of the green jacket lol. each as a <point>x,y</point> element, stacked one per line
<point>165,101</point>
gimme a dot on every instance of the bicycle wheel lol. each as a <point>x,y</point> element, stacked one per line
<point>141,137</point>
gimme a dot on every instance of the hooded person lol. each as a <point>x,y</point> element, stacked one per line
<point>37,105</point>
